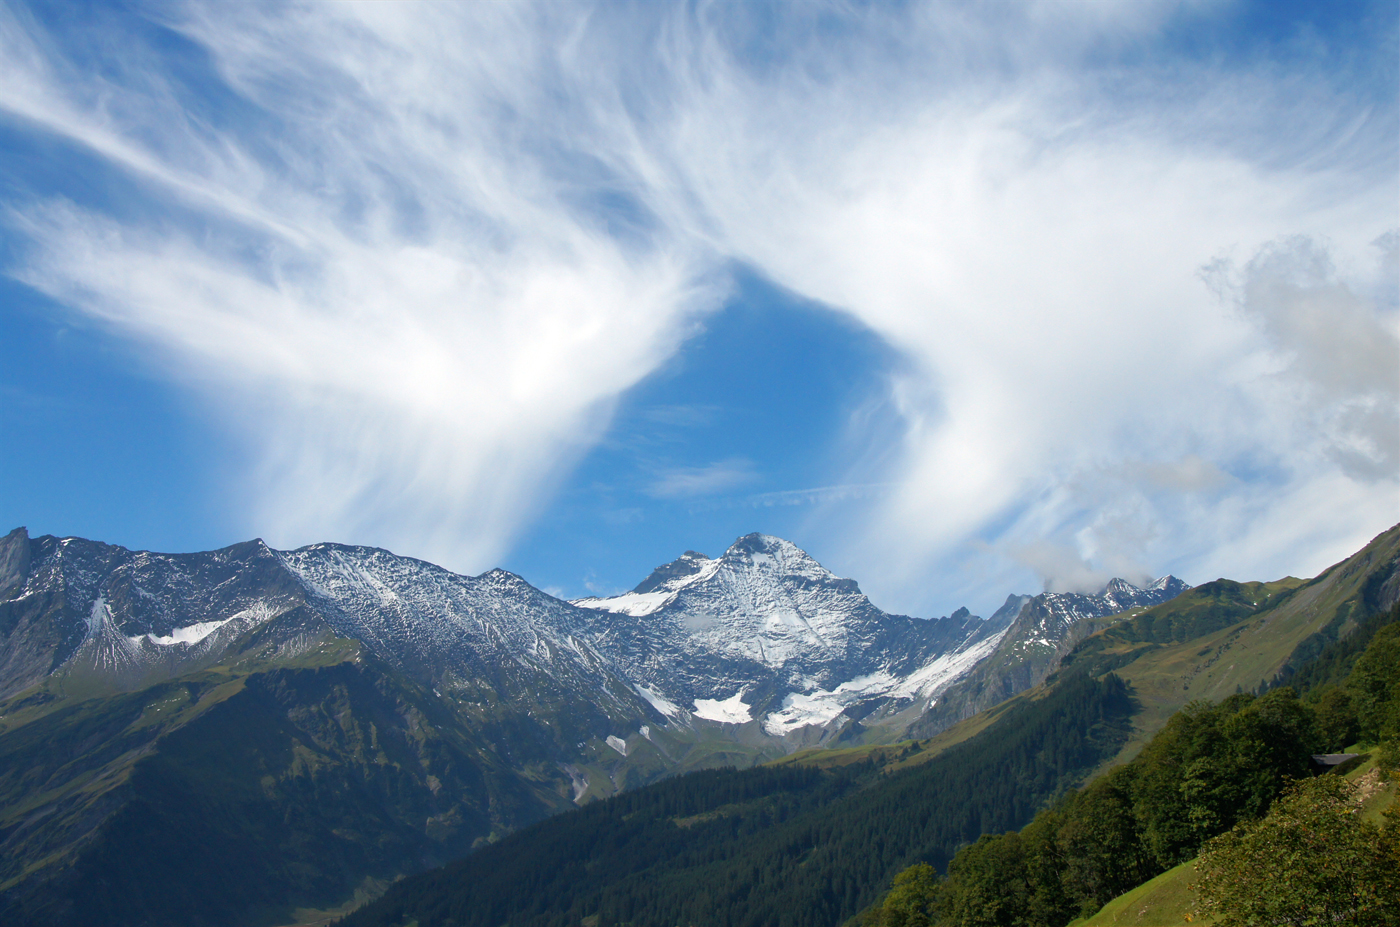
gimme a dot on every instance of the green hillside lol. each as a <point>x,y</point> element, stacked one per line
<point>1165,901</point>
<point>296,785</point>
<point>1225,637</point>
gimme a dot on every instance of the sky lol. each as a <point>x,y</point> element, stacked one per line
<point>965,299</point>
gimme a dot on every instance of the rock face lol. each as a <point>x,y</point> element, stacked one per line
<point>768,632</point>
<point>1042,630</point>
<point>129,617</point>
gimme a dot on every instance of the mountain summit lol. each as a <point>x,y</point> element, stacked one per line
<point>767,631</point>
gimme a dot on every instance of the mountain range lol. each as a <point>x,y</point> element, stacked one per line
<point>401,714</point>
<point>763,638</point>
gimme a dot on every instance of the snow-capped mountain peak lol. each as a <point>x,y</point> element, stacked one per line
<point>659,589</point>
<point>768,626</point>
<point>676,574</point>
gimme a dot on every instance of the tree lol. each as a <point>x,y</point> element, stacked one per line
<point>987,884</point>
<point>1375,686</point>
<point>1375,691</point>
<point>1048,901</point>
<point>1101,846</point>
<point>910,901</point>
<point>1336,719</point>
<point>1311,861</point>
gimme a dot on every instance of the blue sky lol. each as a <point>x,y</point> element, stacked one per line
<point>965,299</point>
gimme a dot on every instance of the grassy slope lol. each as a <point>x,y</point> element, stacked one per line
<point>1166,901</point>
<point>1244,643</point>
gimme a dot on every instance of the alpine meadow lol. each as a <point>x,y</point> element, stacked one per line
<point>1008,390</point>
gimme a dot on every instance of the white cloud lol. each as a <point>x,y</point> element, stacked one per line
<point>389,291</point>
<point>709,480</point>
<point>442,239</point>
<point>1033,240</point>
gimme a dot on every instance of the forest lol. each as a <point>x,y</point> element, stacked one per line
<point>775,845</point>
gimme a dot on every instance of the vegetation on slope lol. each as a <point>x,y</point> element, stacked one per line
<point>1312,860</point>
<point>787,845</point>
<point>1209,778</point>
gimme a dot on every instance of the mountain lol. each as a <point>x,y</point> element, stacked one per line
<point>767,633</point>
<point>1044,629</point>
<point>392,714</point>
<point>762,636</point>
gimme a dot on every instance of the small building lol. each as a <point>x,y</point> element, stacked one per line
<point>1333,762</point>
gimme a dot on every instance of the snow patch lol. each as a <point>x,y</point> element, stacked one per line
<point>635,604</point>
<point>645,731</point>
<point>578,781</point>
<point>194,633</point>
<point>729,711</point>
<point>662,704</point>
<point>617,743</point>
<point>934,677</point>
<point>98,618</point>
<point>821,706</point>
<point>190,634</point>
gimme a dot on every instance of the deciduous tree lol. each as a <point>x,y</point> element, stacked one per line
<point>1311,861</point>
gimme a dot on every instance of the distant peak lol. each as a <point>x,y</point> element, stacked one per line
<point>688,564</point>
<point>762,544</point>
<point>500,573</point>
<point>1118,585</point>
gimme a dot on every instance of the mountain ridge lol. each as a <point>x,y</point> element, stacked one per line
<point>763,632</point>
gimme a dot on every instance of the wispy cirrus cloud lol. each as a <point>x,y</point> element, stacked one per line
<point>415,252</point>
<point>1028,219</point>
<point>390,281</point>
<point>708,480</point>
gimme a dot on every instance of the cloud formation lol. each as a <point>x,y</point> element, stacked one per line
<point>709,480</point>
<point>415,252</point>
<point>392,290</point>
